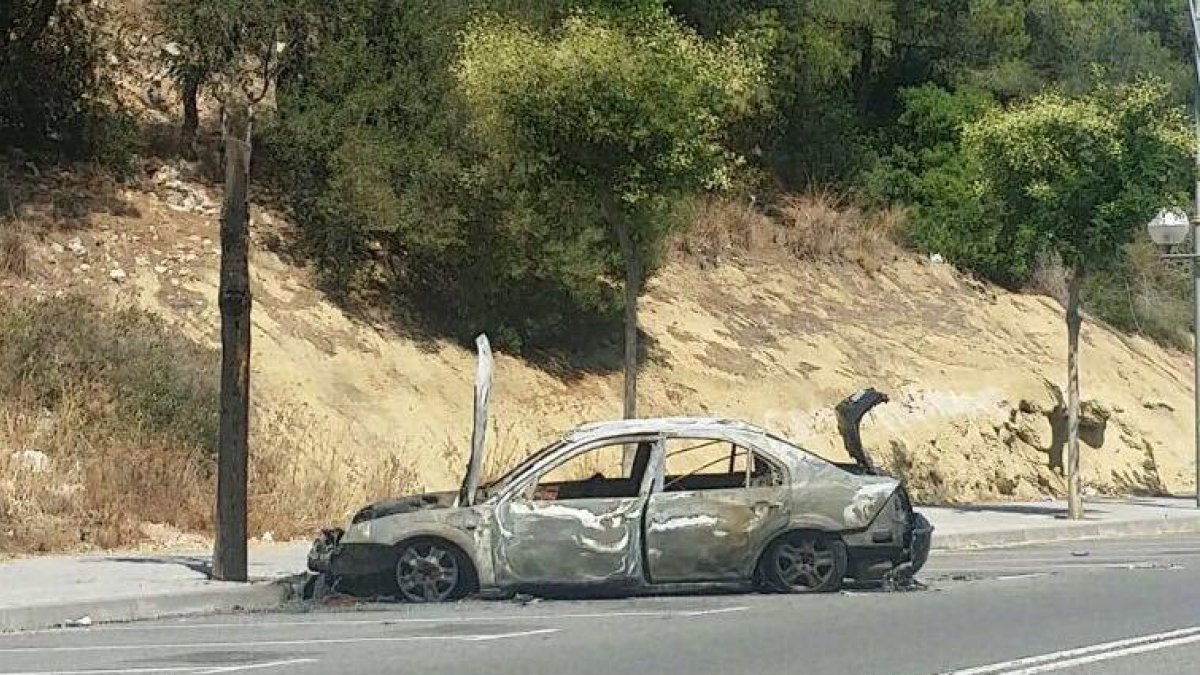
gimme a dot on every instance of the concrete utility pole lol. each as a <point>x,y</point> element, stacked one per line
<point>229,556</point>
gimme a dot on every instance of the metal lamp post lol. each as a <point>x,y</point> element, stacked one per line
<point>1170,228</point>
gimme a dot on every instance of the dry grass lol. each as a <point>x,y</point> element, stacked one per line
<point>103,484</point>
<point>506,447</point>
<point>69,483</point>
<point>14,251</point>
<point>107,425</point>
<point>816,227</point>
<point>302,478</point>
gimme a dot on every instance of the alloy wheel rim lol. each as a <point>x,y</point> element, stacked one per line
<point>427,572</point>
<point>805,565</point>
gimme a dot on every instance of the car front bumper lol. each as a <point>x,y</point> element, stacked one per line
<point>330,555</point>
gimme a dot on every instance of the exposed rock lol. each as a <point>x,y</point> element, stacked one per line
<point>34,461</point>
<point>118,275</point>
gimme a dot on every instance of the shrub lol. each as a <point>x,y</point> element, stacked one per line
<point>815,227</point>
<point>14,253</point>
<point>153,378</point>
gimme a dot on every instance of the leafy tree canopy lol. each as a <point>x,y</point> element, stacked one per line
<point>1080,175</point>
<point>602,108</point>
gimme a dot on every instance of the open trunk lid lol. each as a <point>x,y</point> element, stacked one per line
<point>849,416</point>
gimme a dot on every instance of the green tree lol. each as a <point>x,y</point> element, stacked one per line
<point>1082,175</point>
<point>612,120</point>
<point>224,43</point>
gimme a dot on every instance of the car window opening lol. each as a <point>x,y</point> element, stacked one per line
<point>597,473</point>
<point>732,469</point>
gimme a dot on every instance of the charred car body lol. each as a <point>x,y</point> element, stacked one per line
<point>641,504</point>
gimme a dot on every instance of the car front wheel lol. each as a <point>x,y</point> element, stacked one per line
<point>428,570</point>
<point>804,562</point>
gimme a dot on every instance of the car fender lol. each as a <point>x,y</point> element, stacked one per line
<point>462,527</point>
<point>811,522</point>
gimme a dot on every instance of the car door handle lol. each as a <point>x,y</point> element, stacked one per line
<point>762,506</point>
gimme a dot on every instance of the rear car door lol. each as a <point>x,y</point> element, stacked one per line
<point>714,509</point>
<point>578,521</point>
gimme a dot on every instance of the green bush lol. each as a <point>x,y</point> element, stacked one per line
<point>154,377</point>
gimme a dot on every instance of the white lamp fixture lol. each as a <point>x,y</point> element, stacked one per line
<point>1170,227</point>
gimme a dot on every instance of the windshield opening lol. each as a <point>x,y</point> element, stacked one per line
<point>492,487</point>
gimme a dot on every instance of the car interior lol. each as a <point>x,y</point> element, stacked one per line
<point>722,472</point>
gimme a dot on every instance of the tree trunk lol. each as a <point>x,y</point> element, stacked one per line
<point>633,281</point>
<point>861,79</point>
<point>613,215</point>
<point>1074,322</point>
<point>229,557</point>
<point>191,116</point>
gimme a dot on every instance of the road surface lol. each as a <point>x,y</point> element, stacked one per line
<point>1100,607</point>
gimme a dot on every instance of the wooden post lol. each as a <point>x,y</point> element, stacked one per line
<point>229,556</point>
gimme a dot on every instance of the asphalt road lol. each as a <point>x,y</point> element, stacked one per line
<point>1105,608</point>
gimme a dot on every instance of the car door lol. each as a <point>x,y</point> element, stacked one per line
<point>577,521</point>
<point>714,509</point>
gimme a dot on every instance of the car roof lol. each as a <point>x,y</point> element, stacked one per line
<point>654,425</point>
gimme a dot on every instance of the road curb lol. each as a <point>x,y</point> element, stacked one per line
<point>957,541</point>
<point>254,596</point>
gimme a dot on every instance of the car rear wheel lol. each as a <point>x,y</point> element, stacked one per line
<point>804,562</point>
<point>429,570</point>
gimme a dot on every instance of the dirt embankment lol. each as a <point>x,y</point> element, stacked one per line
<point>973,371</point>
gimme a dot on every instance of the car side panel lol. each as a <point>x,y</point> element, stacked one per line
<point>711,535</point>
<point>570,542</point>
<point>823,493</point>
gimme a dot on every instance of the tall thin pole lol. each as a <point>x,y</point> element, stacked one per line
<point>229,552</point>
<point>1196,244</point>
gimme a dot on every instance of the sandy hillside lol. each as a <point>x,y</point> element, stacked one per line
<point>972,370</point>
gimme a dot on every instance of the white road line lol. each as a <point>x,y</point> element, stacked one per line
<point>709,612</point>
<point>383,622</point>
<point>1054,658</point>
<point>195,670</point>
<point>1095,658</point>
<point>111,671</point>
<point>280,643</point>
<point>254,666</point>
<point>1010,577</point>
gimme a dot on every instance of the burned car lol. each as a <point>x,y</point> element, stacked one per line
<point>642,504</point>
